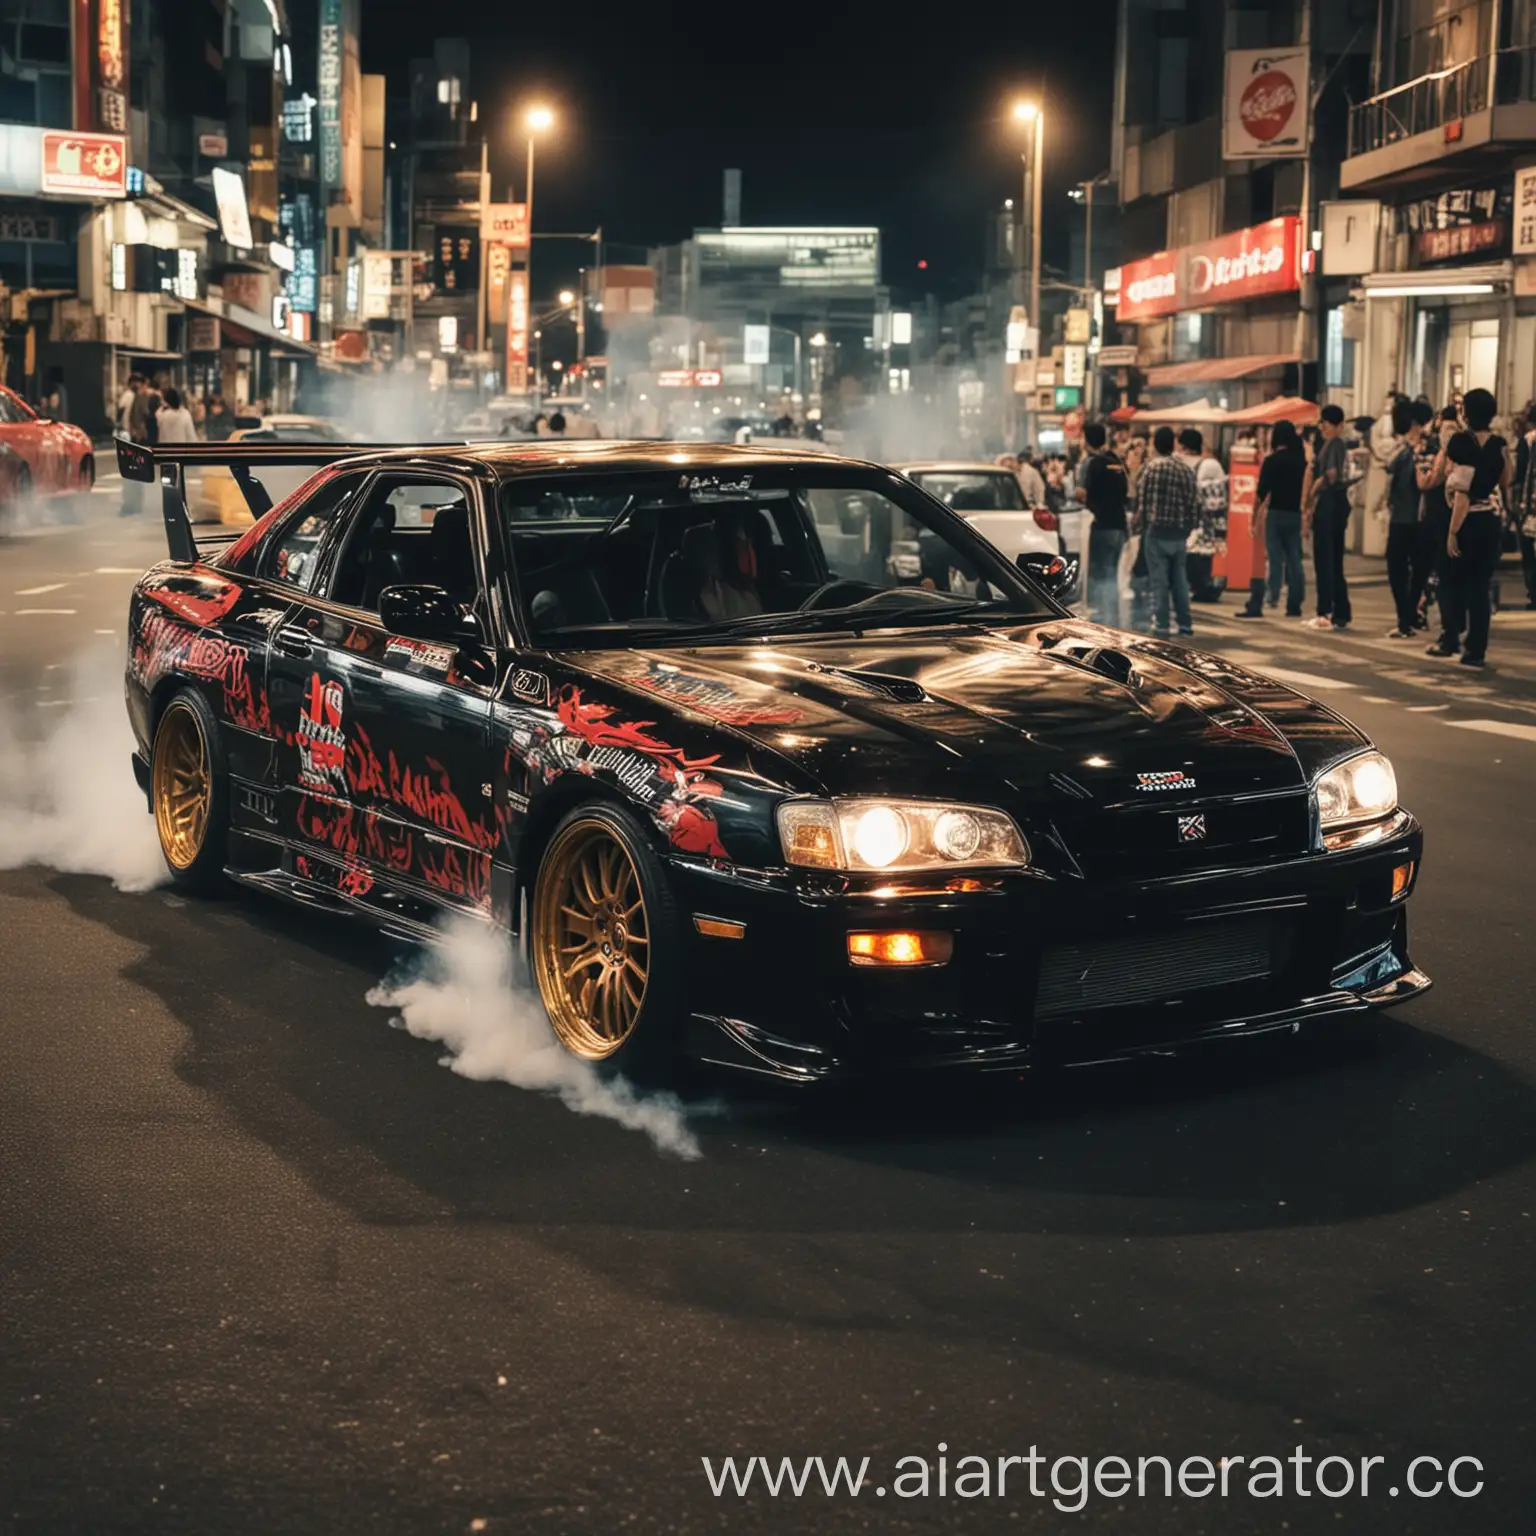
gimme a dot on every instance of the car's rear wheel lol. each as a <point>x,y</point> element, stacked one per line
<point>604,941</point>
<point>87,472</point>
<point>189,794</point>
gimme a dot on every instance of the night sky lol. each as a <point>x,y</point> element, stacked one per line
<point>835,114</point>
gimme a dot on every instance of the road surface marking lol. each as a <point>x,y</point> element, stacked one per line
<point>1497,728</point>
<point>1425,709</point>
<point>105,631</point>
<point>22,612</point>
<point>1375,698</point>
<point>52,586</point>
<point>117,570</point>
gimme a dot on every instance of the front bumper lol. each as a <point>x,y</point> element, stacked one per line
<point>1044,969</point>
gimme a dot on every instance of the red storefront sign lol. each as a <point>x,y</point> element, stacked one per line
<point>1463,240</point>
<point>688,378</point>
<point>1228,270</point>
<point>85,164</point>
<point>1149,288</point>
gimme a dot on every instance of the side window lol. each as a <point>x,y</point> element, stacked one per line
<point>412,530</point>
<point>12,412</point>
<point>290,555</point>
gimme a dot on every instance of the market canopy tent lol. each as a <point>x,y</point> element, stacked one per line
<point>1216,370</point>
<point>1202,412</point>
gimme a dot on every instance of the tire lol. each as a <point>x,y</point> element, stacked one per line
<point>87,477</point>
<point>602,911</point>
<point>190,794</point>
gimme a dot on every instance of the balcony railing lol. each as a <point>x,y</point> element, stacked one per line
<point>1427,104</point>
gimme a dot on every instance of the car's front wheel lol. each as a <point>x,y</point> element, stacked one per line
<point>604,941</point>
<point>189,793</point>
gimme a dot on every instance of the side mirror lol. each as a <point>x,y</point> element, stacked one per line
<point>422,613</point>
<point>1052,572</point>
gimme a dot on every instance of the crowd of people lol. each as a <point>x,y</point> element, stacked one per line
<point>1145,496</point>
<point>153,410</point>
<point>1456,492</point>
<point>1453,485</point>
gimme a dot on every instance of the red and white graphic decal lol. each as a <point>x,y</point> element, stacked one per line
<point>320,740</point>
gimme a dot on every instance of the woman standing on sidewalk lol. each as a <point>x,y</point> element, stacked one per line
<point>1478,484</point>
<point>1281,477</point>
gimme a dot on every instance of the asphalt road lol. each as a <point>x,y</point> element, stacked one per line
<point>267,1266</point>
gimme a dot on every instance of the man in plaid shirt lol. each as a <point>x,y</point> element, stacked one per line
<point>1167,508</point>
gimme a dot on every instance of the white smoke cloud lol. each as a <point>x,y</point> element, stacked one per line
<point>68,800</point>
<point>463,995</point>
<point>67,795</point>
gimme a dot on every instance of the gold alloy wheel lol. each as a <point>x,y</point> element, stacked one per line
<point>591,940</point>
<point>183,785</point>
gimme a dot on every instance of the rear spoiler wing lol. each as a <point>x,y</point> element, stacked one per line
<point>166,464</point>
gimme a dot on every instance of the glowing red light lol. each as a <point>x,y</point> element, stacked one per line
<point>922,266</point>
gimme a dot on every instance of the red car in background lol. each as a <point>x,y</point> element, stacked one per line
<point>54,456</point>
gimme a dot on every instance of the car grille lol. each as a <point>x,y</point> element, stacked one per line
<point>1170,964</point>
<point>1149,841</point>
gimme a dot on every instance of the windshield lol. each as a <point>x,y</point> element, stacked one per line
<point>974,491</point>
<point>602,559</point>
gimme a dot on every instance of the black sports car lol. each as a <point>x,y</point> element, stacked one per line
<point>738,796</point>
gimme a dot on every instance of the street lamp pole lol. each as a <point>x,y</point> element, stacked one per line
<point>537,119</point>
<point>1034,234</point>
<point>481,344</point>
<point>1028,113</point>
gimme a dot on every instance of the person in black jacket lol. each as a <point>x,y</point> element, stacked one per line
<point>1407,566</point>
<point>1477,482</point>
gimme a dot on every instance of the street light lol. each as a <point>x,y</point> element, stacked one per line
<point>819,339</point>
<point>566,296</point>
<point>1028,113</point>
<point>537,119</point>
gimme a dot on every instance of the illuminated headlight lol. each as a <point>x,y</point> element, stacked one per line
<point>892,835</point>
<point>1362,789</point>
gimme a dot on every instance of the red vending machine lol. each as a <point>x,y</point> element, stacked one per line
<point>1244,562</point>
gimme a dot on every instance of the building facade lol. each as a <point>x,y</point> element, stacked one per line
<point>176,182</point>
<point>1435,231</point>
<point>1229,121</point>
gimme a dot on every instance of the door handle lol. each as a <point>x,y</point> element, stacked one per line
<point>292,641</point>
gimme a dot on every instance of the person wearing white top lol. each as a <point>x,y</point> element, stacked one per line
<point>173,421</point>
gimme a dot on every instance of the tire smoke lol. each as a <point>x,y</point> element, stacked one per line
<point>67,797</point>
<point>463,995</point>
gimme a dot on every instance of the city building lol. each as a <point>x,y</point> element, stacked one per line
<point>177,185</point>
<point>1432,242</point>
<point>1229,125</point>
<point>811,298</point>
<point>435,211</point>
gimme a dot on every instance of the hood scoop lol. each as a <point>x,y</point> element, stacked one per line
<point>901,690</point>
<point>1115,665</point>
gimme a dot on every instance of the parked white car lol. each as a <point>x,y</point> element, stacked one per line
<point>991,500</point>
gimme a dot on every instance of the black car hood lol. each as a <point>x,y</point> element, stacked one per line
<point>1093,713</point>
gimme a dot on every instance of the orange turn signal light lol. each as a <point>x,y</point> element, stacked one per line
<point>1402,878</point>
<point>719,927</point>
<point>900,947</point>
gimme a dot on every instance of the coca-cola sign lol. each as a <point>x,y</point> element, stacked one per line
<point>1268,102</point>
<point>1247,264</point>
